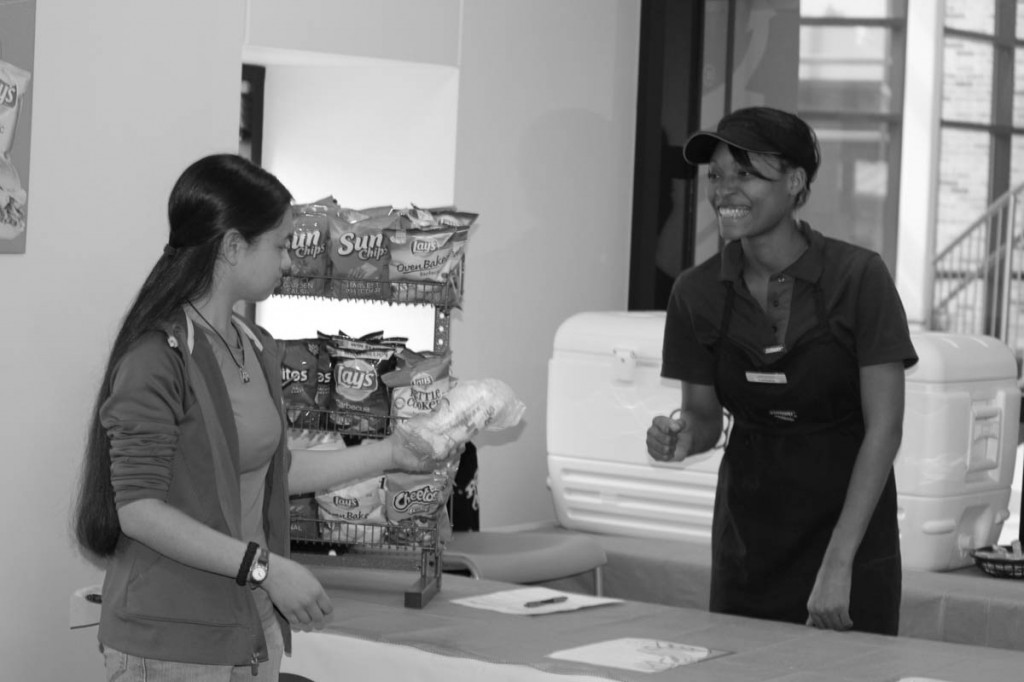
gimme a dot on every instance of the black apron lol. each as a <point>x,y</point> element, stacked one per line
<point>784,478</point>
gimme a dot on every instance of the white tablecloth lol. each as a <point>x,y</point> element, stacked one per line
<point>965,606</point>
<point>373,636</point>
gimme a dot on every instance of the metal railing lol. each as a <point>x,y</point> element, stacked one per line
<point>978,280</point>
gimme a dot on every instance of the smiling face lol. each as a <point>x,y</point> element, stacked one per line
<point>750,200</point>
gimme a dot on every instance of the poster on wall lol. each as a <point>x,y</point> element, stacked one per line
<point>17,50</point>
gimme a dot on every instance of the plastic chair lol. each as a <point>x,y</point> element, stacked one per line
<point>524,558</point>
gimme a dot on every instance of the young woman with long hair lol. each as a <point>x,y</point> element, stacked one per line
<point>187,473</point>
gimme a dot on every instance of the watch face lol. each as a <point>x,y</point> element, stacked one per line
<point>259,572</point>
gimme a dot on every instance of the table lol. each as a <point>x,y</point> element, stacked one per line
<point>373,636</point>
<point>964,606</point>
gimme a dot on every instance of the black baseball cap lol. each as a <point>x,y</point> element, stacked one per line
<point>761,130</point>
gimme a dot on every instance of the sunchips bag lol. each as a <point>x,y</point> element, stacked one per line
<point>307,249</point>
<point>359,253</point>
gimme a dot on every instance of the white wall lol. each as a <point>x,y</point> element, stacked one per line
<point>412,31</point>
<point>120,107</point>
<point>127,93</point>
<point>369,132</point>
<point>547,103</point>
<point>543,151</point>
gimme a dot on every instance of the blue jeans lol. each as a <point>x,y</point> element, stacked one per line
<point>123,667</point>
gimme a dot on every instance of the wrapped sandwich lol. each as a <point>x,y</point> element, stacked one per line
<point>469,407</point>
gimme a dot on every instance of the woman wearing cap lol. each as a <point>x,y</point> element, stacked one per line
<point>803,339</point>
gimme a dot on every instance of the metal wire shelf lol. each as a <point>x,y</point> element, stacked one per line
<point>446,294</point>
<point>346,423</point>
<point>413,545</point>
<point>410,545</point>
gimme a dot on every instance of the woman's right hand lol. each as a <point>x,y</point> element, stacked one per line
<point>668,439</point>
<point>297,594</point>
<point>405,458</point>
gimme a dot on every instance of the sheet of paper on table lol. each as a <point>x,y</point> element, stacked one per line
<point>638,654</point>
<point>515,601</point>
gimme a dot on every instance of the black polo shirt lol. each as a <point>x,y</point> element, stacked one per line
<point>863,307</point>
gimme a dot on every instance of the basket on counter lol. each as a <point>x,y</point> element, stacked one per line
<point>1000,561</point>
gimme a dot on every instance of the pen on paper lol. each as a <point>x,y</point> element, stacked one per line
<point>545,602</point>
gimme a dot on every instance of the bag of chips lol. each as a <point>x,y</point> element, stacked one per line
<point>350,512</point>
<point>427,252</point>
<point>420,531</point>
<point>419,382</point>
<point>358,502</point>
<point>415,505</point>
<point>307,249</point>
<point>359,399</point>
<point>299,381</point>
<point>409,495</point>
<point>324,381</point>
<point>359,253</point>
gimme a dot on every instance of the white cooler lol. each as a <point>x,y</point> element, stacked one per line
<point>953,472</point>
<point>955,466</point>
<point>604,388</point>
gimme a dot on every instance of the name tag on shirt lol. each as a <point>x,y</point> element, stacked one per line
<point>766,377</point>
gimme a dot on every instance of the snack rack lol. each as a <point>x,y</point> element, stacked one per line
<point>443,296</point>
<point>415,545</point>
<point>402,546</point>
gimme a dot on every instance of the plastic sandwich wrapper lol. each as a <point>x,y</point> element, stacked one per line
<point>470,406</point>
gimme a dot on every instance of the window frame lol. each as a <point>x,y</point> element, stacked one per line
<point>896,24</point>
<point>1000,129</point>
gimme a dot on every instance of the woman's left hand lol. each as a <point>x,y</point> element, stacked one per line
<point>829,605</point>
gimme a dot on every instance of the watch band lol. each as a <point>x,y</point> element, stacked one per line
<point>246,566</point>
<point>259,569</point>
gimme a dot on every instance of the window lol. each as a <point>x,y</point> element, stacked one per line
<point>981,153</point>
<point>852,56</point>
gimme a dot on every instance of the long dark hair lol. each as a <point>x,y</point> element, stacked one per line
<point>215,194</point>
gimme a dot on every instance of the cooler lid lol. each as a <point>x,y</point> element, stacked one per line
<point>604,332</point>
<point>944,357</point>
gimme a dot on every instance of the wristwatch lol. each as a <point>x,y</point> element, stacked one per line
<point>260,568</point>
